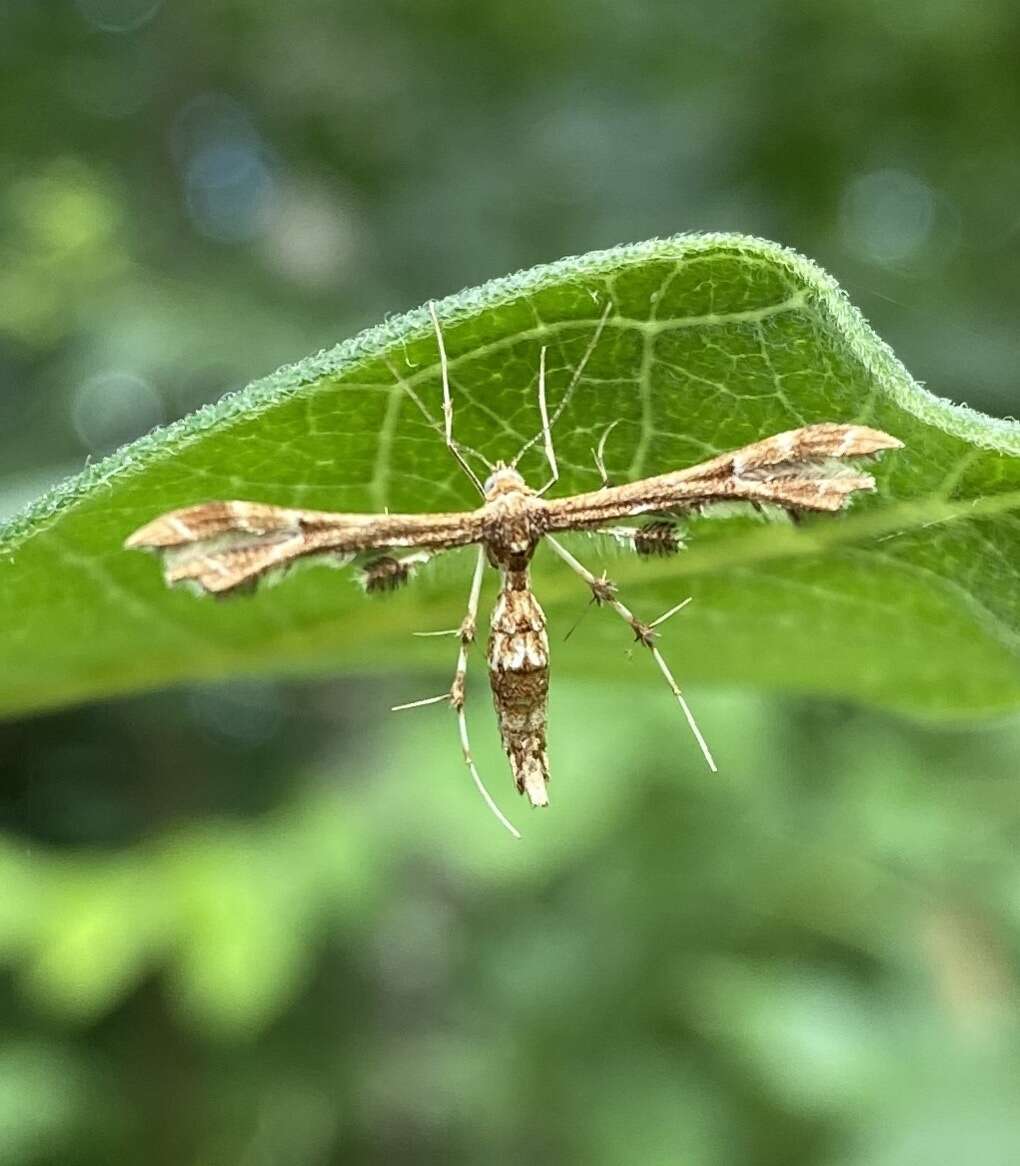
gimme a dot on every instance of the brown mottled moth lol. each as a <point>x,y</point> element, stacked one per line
<point>225,547</point>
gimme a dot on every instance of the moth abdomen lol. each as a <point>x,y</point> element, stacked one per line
<point>519,678</point>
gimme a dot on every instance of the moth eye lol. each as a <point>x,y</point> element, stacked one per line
<point>384,574</point>
<point>657,538</point>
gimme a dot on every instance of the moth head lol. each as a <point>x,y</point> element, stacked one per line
<point>504,479</point>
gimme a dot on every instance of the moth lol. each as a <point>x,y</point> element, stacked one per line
<point>223,548</point>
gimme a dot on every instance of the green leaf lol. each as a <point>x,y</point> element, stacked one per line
<point>910,599</point>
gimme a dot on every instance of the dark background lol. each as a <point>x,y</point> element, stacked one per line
<point>262,924</point>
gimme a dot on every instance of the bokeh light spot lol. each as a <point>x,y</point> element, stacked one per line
<point>229,190</point>
<point>888,215</point>
<point>246,714</point>
<point>118,15</point>
<point>114,407</point>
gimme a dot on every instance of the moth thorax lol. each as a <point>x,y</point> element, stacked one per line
<point>511,534</point>
<point>504,480</point>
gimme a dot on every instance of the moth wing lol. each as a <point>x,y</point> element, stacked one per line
<point>223,547</point>
<point>230,562</point>
<point>802,469</point>
<point>808,450</point>
<point>209,520</point>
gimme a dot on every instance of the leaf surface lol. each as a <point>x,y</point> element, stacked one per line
<point>909,600</point>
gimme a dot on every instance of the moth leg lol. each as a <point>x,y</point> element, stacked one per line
<point>455,696</point>
<point>547,421</point>
<point>604,593</point>
<point>467,636</point>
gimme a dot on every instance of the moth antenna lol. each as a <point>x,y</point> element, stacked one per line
<point>424,410</point>
<point>565,400</point>
<point>604,592</point>
<point>543,408</point>
<point>455,447</point>
<point>444,364</point>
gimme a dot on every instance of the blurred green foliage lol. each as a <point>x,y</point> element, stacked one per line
<point>260,923</point>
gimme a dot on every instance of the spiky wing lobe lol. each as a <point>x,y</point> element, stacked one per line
<point>803,469</point>
<point>224,546</point>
